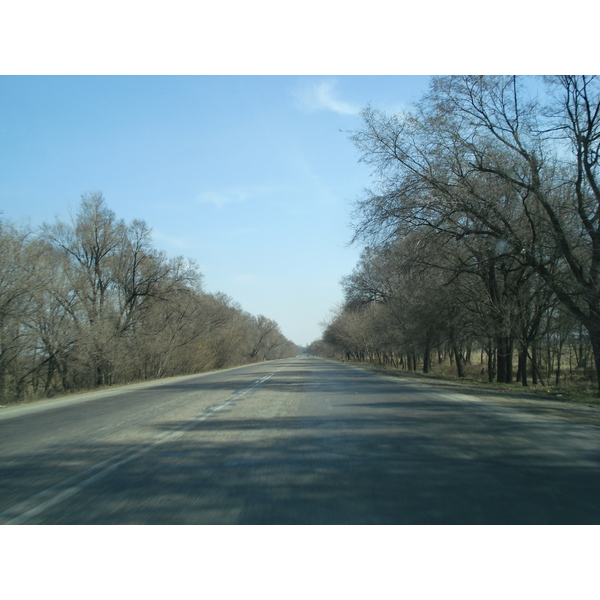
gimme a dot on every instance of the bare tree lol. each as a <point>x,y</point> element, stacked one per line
<point>482,157</point>
<point>15,304</point>
<point>91,302</point>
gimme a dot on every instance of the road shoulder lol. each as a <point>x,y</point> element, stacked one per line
<point>557,407</point>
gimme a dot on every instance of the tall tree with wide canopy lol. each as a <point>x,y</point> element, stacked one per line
<point>510,159</point>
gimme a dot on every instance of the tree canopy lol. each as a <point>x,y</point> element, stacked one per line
<point>499,176</point>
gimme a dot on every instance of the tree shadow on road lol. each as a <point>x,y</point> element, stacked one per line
<point>359,469</point>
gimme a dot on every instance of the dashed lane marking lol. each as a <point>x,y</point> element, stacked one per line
<point>35,505</point>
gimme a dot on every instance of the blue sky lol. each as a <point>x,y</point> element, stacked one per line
<point>251,176</point>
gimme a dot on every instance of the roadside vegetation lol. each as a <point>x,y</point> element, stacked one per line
<point>481,235</point>
<point>91,302</point>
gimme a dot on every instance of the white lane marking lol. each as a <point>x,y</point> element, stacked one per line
<point>39,508</point>
<point>36,504</point>
<point>22,506</point>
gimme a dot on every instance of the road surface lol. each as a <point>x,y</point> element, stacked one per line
<point>297,441</point>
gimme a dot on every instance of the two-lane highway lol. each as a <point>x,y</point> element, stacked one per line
<point>299,441</point>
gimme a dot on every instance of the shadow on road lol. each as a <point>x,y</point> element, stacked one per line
<point>378,464</point>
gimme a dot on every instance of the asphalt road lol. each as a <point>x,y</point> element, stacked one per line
<point>298,441</point>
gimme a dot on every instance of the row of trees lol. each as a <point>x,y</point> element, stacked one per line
<point>483,231</point>
<point>402,310</point>
<point>91,302</point>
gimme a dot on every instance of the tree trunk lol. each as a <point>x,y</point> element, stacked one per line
<point>491,363</point>
<point>460,368</point>
<point>510,345</point>
<point>49,376</point>
<point>427,355</point>
<point>595,341</point>
<point>501,355</point>
<point>504,359</point>
<point>522,371</point>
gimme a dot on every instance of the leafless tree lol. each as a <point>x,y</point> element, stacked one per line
<point>488,157</point>
<point>91,302</point>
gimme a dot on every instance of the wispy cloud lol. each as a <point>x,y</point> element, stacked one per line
<point>322,95</point>
<point>234,195</point>
<point>321,191</point>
